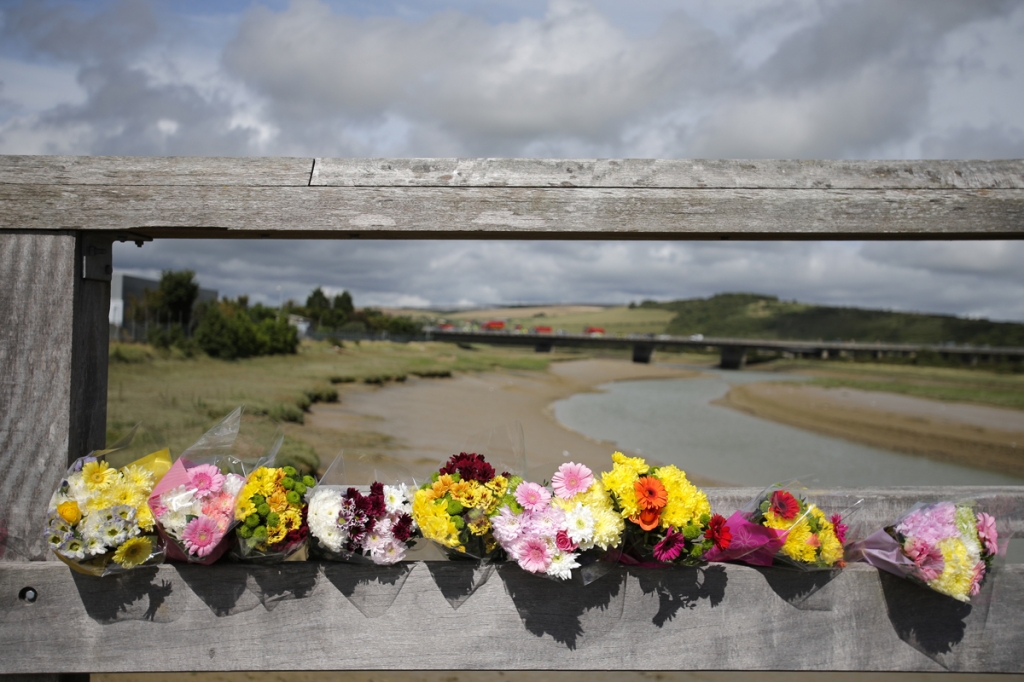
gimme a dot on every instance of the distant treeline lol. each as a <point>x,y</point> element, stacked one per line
<point>232,328</point>
<point>766,317</point>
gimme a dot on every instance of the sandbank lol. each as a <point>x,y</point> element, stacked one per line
<point>977,436</point>
<point>427,420</point>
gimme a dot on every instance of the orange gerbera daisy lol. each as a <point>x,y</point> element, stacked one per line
<point>650,493</point>
<point>648,519</point>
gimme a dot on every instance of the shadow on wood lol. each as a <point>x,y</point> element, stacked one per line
<point>370,588</point>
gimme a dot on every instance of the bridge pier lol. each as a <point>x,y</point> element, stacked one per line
<point>642,352</point>
<point>543,347</point>
<point>733,357</point>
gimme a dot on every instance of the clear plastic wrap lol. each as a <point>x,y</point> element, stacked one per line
<point>949,547</point>
<point>347,525</point>
<point>666,519</point>
<point>455,507</point>
<point>98,522</point>
<point>554,531</point>
<point>778,526</point>
<point>194,503</point>
<point>271,511</point>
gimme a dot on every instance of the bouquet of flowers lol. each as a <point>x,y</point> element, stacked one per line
<point>455,508</point>
<point>552,534</point>
<point>271,513</point>
<point>194,503</point>
<point>667,518</point>
<point>98,521</point>
<point>345,524</point>
<point>780,525</point>
<point>946,546</point>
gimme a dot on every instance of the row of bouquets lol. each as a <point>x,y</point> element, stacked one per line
<point>220,497</point>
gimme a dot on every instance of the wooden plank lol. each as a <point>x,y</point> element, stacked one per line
<point>38,284</point>
<point>307,616</point>
<point>515,213</point>
<point>154,170</point>
<point>670,173</point>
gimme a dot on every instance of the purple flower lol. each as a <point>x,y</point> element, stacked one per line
<point>670,547</point>
<point>930,524</point>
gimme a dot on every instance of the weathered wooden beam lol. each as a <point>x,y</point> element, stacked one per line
<point>516,199</point>
<point>310,616</point>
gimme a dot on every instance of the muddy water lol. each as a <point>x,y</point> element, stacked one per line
<point>674,422</point>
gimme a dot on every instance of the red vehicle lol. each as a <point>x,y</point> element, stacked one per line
<point>542,330</point>
<point>493,326</point>
<point>593,331</point>
<point>446,326</point>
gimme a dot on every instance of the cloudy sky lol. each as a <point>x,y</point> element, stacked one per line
<point>537,78</point>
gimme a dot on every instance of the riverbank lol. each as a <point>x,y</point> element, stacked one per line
<point>978,436</point>
<point>422,422</point>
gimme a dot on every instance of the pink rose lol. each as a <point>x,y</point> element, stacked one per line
<point>564,542</point>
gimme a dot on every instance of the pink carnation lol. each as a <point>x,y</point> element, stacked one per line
<point>205,479</point>
<point>572,479</point>
<point>201,536</point>
<point>532,496</point>
<point>987,532</point>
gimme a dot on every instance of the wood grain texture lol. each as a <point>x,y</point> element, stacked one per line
<point>37,304</point>
<point>325,616</point>
<point>670,173</point>
<point>514,213</point>
<point>154,170</point>
<point>310,616</point>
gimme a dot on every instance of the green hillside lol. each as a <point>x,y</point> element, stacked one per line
<point>766,317</point>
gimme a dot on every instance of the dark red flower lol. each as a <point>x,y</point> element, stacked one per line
<point>718,532</point>
<point>470,466</point>
<point>402,528</point>
<point>784,505</point>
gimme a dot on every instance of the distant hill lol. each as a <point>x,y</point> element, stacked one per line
<point>766,317</point>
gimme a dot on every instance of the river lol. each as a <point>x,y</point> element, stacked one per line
<point>674,422</point>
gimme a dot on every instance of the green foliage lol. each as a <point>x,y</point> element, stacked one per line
<point>227,331</point>
<point>766,317</point>
<point>177,293</point>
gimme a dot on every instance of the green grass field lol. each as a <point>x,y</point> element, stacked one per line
<point>180,398</point>
<point>614,320</point>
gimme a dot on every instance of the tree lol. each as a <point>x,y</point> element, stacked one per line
<point>343,303</point>
<point>317,302</point>
<point>176,295</point>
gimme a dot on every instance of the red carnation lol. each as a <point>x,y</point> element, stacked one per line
<point>718,532</point>
<point>784,505</point>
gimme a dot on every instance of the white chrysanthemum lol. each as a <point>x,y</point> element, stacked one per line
<point>91,526</point>
<point>233,484</point>
<point>579,524</point>
<point>73,548</point>
<point>94,546</point>
<point>77,489</point>
<point>377,541</point>
<point>325,506</point>
<point>114,532</point>
<point>562,564</point>
<point>396,499</point>
<point>174,522</point>
<point>391,554</point>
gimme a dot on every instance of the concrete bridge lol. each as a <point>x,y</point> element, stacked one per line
<point>733,350</point>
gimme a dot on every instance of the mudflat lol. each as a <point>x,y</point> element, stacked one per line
<point>979,436</point>
<point>427,420</point>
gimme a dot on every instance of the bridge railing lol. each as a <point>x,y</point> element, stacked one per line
<point>58,218</point>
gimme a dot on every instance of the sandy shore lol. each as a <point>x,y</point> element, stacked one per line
<point>978,436</point>
<point>426,420</point>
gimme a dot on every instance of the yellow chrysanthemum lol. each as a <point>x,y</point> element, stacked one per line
<point>145,517</point>
<point>619,481</point>
<point>122,492</point>
<point>797,546</point>
<point>264,481</point>
<point>433,519</point>
<point>140,477</point>
<point>831,548</point>
<point>278,501</point>
<point>480,526</point>
<point>498,486</point>
<point>70,512</point>
<point>133,552</point>
<point>442,486</point>
<point>98,475</point>
<point>98,502</point>
<point>686,502</point>
<point>958,573</point>
<point>244,509</point>
<point>291,519</point>
<point>467,493</point>
<point>274,535</point>
<point>608,527</point>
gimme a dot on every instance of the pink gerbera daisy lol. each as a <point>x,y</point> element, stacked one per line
<point>201,535</point>
<point>572,479</point>
<point>533,554</point>
<point>205,479</point>
<point>532,496</point>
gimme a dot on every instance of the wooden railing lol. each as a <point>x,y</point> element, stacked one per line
<point>58,216</point>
